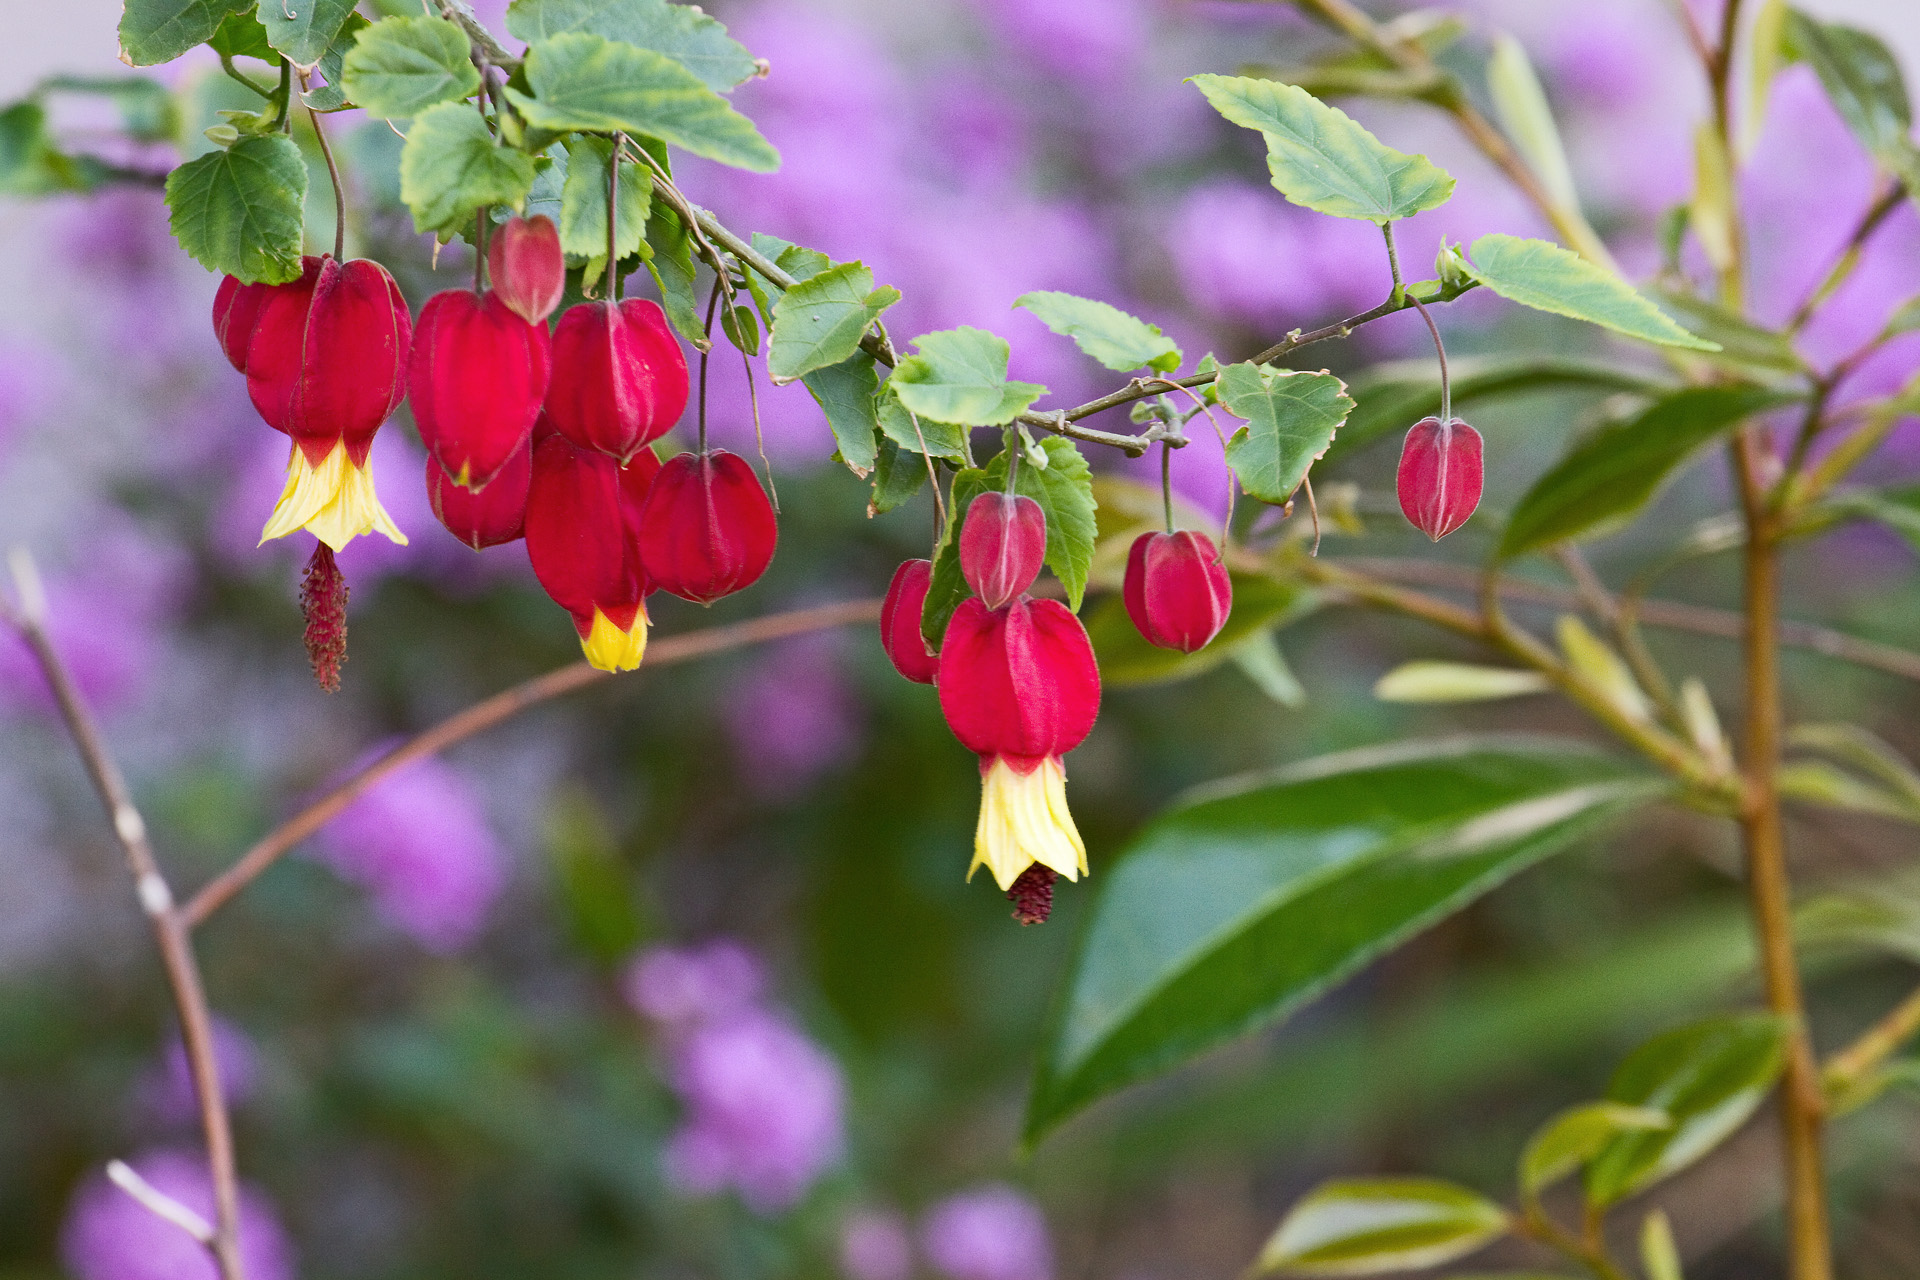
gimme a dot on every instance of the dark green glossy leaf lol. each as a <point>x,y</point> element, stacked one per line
<point>1291,417</point>
<point>1117,340</point>
<point>1362,1226</point>
<point>1127,659</point>
<point>820,321</point>
<point>304,29</point>
<point>1253,896</point>
<point>845,393</point>
<point>1546,277</point>
<point>451,166</point>
<point>697,42</point>
<point>1612,473</point>
<point>240,35</point>
<point>399,67</point>
<point>239,211</point>
<point>156,31</point>
<point>960,376</point>
<point>1862,79</point>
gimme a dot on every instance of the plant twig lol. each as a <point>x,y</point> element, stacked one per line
<point>1875,1045</point>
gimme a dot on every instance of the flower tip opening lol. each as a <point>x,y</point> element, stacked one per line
<point>610,647</point>
<point>1024,821</point>
<point>333,500</point>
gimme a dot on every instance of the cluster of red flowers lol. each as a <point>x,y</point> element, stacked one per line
<point>529,433</point>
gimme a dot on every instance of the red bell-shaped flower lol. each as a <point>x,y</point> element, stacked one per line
<point>1177,591</point>
<point>476,380</point>
<point>236,309</point>
<point>900,632</point>
<point>582,520</point>
<point>527,268</point>
<point>708,529</point>
<point>326,365</point>
<point>1440,475</point>
<point>619,376</point>
<point>1002,545</point>
<point>490,516</point>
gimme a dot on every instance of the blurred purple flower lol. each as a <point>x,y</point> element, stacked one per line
<point>1086,41</point>
<point>31,378</point>
<point>419,842</point>
<point>990,1233</point>
<point>680,986</point>
<point>874,1245</point>
<point>110,1236</point>
<point>792,715</point>
<point>167,1090</point>
<point>1243,253</point>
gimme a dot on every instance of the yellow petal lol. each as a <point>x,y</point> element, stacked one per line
<point>611,649</point>
<point>1024,820</point>
<point>335,501</point>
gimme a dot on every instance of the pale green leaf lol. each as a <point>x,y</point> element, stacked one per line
<point>583,204</point>
<point>960,376</point>
<point>1291,417</point>
<point>1658,1252</point>
<point>303,29</point>
<point>239,211</point>
<point>694,40</point>
<point>1117,340</point>
<point>1548,278</point>
<point>1522,107</point>
<point>1576,1136</point>
<point>1455,682</point>
<point>451,166</point>
<point>156,31</point>
<point>1260,660</point>
<point>1362,1226</point>
<point>845,393</point>
<point>399,67</point>
<point>916,434</point>
<point>820,321</point>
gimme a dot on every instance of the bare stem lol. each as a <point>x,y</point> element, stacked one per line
<point>1876,1044</point>
<point>339,192</point>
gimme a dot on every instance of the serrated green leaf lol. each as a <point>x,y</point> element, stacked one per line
<point>1577,1135</point>
<point>1250,897</point>
<point>587,82</point>
<point>583,205</point>
<point>1117,340</point>
<point>1611,474</point>
<point>897,476</point>
<point>922,435</point>
<point>1862,79</point>
<point>1291,417</point>
<point>960,376</point>
<point>1126,658</point>
<point>1365,1225</point>
<point>240,35</point>
<point>332,96</point>
<point>1322,159</point>
<point>1546,277</point>
<point>845,393</point>
<point>451,166</point>
<point>697,42</point>
<point>669,258</point>
<point>303,29</point>
<point>398,67</point>
<point>1456,682</point>
<point>156,31</point>
<point>820,321</point>
<point>239,211</point>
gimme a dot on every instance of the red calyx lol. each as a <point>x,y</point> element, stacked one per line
<point>477,378</point>
<point>1440,475</point>
<point>236,310</point>
<point>619,376</point>
<point>1002,545</point>
<point>527,268</point>
<point>1177,592</point>
<point>495,514</point>
<point>708,529</point>
<point>581,525</point>
<point>900,622</point>
<point>328,357</point>
<point>1019,682</point>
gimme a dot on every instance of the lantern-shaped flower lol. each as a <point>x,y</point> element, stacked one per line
<point>491,516</point>
<point>476,379</point>
<point>708,529</point>
<point>1440,475</point>
<point>619,377</point>
<point>1176,590</point>
<point>1004,539</point>
<point>900,633</point>
<point>326,364</point>
<point>527,268</point>
<point>582,519</point>
<point>236,310</point>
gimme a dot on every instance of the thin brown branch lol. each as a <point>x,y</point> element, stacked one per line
<point>1875,1045</point>
<point>492,711</point>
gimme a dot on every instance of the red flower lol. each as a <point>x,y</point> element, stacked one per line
<point>582,536</point>
<point>619,377</point>
<point>495,514</point>
<point>900,632</point>
<point>477,377</point>
<point>527,268</point>
<point>1002,545</point>
<point>708,529</point>
<point>1440,475</point>
<point>236,309</point>
<point>1177,591</point>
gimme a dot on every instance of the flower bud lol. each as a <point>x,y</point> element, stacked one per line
<point>1177,592</point>
<point>1440,475</point>
<point>582,509</point>
<point>476,380</point>
<point>619,377</point>
<point>526,267</point>
<point>1002,545</point>
<point>708,529</point>
<point>900,632</point>
<point>491,516</point>
<point>236,310</point>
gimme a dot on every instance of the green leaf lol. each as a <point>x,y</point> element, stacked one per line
<point>30,165</point>
<point>1708,1077</point>
<point>1117,340</point>
<point>897,476</point>
<point>1658,1252</point>
<point>1548,278</point>
<point>1524,113</point>
<point>1251,897</point>
<point>240,35</point>
<point>451,166</point>
<point>820,321</point>
<point>1897,508</point>
<point>147,108</point>
<point>1126,658</point>
<point>583,205</point>
<point>960,376</point>
<point>1322,159</point>
<point>239,211</point>
<point>1576,1136</point>
<point>156,31</point>
<point>691,38</point>
<point>1611,474</point>
<point>399,67</point>
<point>922,435</point>
<point>669,258</point>
<point>304,36</point>
<point>587,82</point>
<point>1862,79</point>
<point>1455,682</point>
<point>1291,417</point>
<point>1745,347</point>
<point>1260,660</point>
<point>845,393</point>
<point>1361,1226</point>
<point>332,96</point>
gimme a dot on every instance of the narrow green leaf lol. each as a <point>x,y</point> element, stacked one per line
<point>960,376</point>
<point>1362,1226</point>
<point>1744,346</point>
<point>583,204</point>
<point>1707,1077</point>
<point>587,82</point>
<point>398,67</point>
<point>156,31</point>
<point>691,38</point>
<point>239,211</point>
<point>302,29</point>
<point>820,321</point>
<point>1522,107</point>
<point>1127,659</point>
<point>1862,79</point>
<point>1291,417</point>
<point>1577,1135</point>
<point>1322,159</point>
<point>1611,474</point>
<point>1455,682</point>
<point>1897,508</point>
<point>1548,278</point>
<point>897,476</point>
<point>451,166</point>
<point>845,393</point>
<point>1253,896</point>
<point>1117,340</point>
<point>669,258</point>
<point>1260,660</point>
<point>1658,1252</point>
